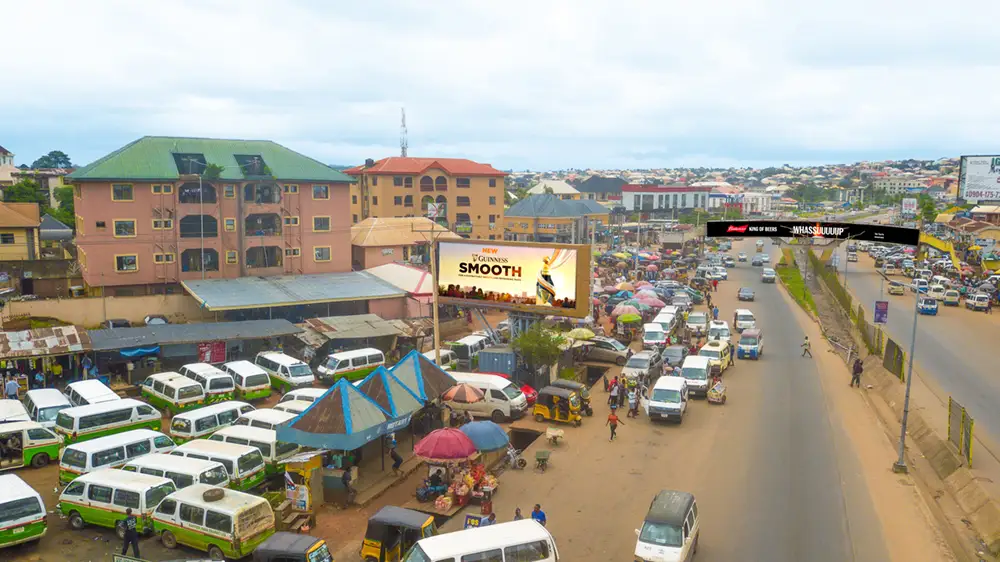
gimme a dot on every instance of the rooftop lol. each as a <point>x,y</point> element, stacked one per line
<point>167,334</point>
<point>43,341</point>
<point>405,165</point>
<point>153,158</point>
<point>558,187</point>
<point>599,184</point>
<point>289,290</point>
<point>539,206</point>
<point>411,279</point>
<point>19,215</point>
<point>52,229</point>
<point>398,231</point>
<point>352,327</point>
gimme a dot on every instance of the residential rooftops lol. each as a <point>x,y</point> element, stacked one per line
<point>547,205</point>
<point>405,165</point>
<point>23,215</point>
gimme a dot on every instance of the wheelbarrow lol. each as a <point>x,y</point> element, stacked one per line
<point>554,435</point>
<point>542,460</point>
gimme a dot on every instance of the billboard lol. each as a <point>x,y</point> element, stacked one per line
<point>910,206</point>
<point>549,279</point>
<point>979,178</point>
<point>808,229</point>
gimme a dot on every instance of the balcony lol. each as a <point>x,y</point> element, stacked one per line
<point>265,193</point>
<point>191,193</point>
<point>199,226</point>
<point>196,259</point>
<point>262,224</point>
<point>262,257</point>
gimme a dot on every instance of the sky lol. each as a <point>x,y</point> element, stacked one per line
<point>534,84</point>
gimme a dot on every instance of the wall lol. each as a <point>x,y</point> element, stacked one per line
<point>388,309</point>
<point>89,312</point>
<point>19,249</point>
<point>374,256</point>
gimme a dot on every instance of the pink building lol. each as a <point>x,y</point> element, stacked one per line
<point>163,210</point>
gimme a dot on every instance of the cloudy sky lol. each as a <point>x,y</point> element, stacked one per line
<point>520,84</point>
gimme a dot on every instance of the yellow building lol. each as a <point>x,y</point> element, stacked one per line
<point>548,218</point>
<point>19,231</point>
<point>555,187</point>
<point>461,195</point>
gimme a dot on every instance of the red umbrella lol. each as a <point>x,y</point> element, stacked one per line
<point>463,393</point>
<point>448,444</point>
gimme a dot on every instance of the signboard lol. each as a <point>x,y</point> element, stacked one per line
<point>534,278</point>
<point>816,230</point>
<point>881,312</point>
<point>212,352</point>
<point>979,178</point>
<point>435,210</point>
<point>910,206</point>
<point>473,521</point>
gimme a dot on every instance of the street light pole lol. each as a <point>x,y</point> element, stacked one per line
<point>900,465</point>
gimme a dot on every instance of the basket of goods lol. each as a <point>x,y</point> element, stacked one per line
<point>443,503</point>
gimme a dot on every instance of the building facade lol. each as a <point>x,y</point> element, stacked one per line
<point>548,218</point>
<point>463,196</point>
<point>19,224</point>
<point>664,200</point>
<point>598,188</point>
<point>162,210</point>
<point>48,180</point>
<point>897,186</point>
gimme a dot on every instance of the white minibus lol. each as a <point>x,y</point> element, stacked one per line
<point>266,440</point>
<point>285,371</point>
<point>81,423</point>
<point>502,542</point>
<point>244,464</point>
<point>218,384</point>
<point>502,399</point>
<point>203,421</point>
<point>353,365</point>
<point>303,394</point>
<point>112,451</point>
<point>252,382</point>
<point>184,471</point>
<point>44,404</point>
<point>91,391</point>
<point>22,512</point>
<point>265,418</point>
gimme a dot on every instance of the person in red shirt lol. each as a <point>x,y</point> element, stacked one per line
<point>715,284</point>
<point>613,422</point>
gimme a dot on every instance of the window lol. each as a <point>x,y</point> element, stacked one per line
<point>229,225</point>
<point>462,182</point>
<point>493,200</point>
<point>354,219</point>
<point>493,182</point>
<point>122,192</point>
<point>100,224</point>
<point>528,552</point>
<point>293,252</point>
<point>398,200</point>
<point>167,507</point>
<point>38,434</point>
<point>99,493</point>
<point>354,199</point>
<point>321,224</point>
<point>125,498</point>
<point>321,192</point>
<point>163,224</point>
<point>149,471</point>
<point>164,258</point>
<point>291,189</point>
<point>291,221</point>
<point>163,189</point>
<point>128,263</point>
<point>124,228</point>
<point>375,200</point>
<point>462,201</point>
<point>374,180</point>
<point>321,253</point>
<point>495,555</point>
<point>229,191</point>
<point>408,201</point>
<point>426,183</point>
<point>228,417</point>
<point>264,448</point>
<point>206,423</point>
<point>138,449</point>
<point>75,489</point>
<point>6,238</point>
<point>397,181</point>
<point>192,514</point>
<point>408,181</point>
<point>219,522</point>
<point>181,480</point>
<point>145,410</point>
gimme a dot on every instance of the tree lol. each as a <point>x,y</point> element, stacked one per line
<point>54,159</point>
<point>24,191</point>
<point>926,208</point>
<point>845,183</point>
<point>548,190</point>
<point>537,346</point>
<point>66,210</point>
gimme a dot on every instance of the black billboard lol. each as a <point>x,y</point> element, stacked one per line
<point>814,229</point>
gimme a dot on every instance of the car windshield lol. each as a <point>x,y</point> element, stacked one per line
<point>64,421</point>
<point>637,363</point>
<point>256,380</point>
<point>50,413</point>
<point>653,335</point>
<point>19,509</point>
<point>673,353</point>
<point>697,318</point>
<point>718,333</point>
<point>666,395</point>
<point>512,391</point>
<point>617,345</point>
<point>744,317</point>
<point>416,554</point>
<point>693,373</point>
<point>710,353</point>
<point>154,495</point>
<point>661,534</point>
<point>180,425</point>
<point>75,458</point>
<point>300,370</point>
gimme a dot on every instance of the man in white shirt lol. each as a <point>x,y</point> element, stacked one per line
<point>11,388</point>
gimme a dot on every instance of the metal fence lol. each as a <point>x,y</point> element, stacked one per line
<point>960,427</point>
<point>871,334</point>
<point>894,358</point>
<point>829,277</point>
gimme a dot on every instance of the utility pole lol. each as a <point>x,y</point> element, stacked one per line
<point>432,238</point>
<point>900,465</point>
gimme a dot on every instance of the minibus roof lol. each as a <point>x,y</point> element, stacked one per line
<point>211,409</point>
<point>13,410</point>
<point>363,352</point>
<point>695,362</point>
<point>173,379</point>
<point>206,369</point>
<point>48,397</point>
<point>231,502</point>
<point>123,479</point>
<point>281,358</point>
<point>311,392</point>
<point>476,378</point>
<point>209,447</point>
<point>80,411</point>
<point>270,415</point>
<point>294,405</point>
<point>20,425</point>
<point>164,461</point>
<point>247,432</point>
<point>12,488</point>
<point>124,438</point>
<point>669,383</point>
<point>91,387</point>
<point>483,538</point>
<point>245,368</point>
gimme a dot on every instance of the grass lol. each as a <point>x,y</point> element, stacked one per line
<point>796,286</point>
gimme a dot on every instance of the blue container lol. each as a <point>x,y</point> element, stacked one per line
<point>497,360</point>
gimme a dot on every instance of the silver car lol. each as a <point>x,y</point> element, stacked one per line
<point>608,350</point>
<point>645,364</point>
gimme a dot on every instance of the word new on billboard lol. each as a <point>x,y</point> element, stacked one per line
<point>548,279</point>
<point>979,178</point>
<point>807,229</point>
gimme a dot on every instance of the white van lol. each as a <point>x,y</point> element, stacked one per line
<point>668,399</point>
<point>745,320</point>
<point>266,440</point>
<point>511,542</point>
<point>293,406</point>
<point>44,404</point>
<point>265,418</point>
<point>449,360</point>
<point>244,464</point>
<point>218,384</point>
<point>285,371</point>
<point>101,498</point>
<point>670,529</point>
<point>91,391</point>
<point>467,349</point>
<point>352,365</point>
<point>112,451</point>
<point>696,371</point>
<point>653,336</point>
<point>22,512</point>
<point>183,471</point>
<point>172,392</point>
<point>204,421</point>
<point>919,285</point>
<point>252,382</point>
<point>503,400</point>
<point>13,411</point>
<point>304,394</point>
<point>718,330</point>
<point>667,321</point>
<point>97,420</point>
<point>28,444</point>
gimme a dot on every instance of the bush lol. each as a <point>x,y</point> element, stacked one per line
<point>568,374</point>
<point>796,285</point>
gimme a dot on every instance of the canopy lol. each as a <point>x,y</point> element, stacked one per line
<point>463,393</point>
<point>624,309</point>
<point>580,334</point>
<point>625,287</point>
<point>629,318</point>
<point>446,444</point>
<point>390,393</point>
<point>422,376</point>
<point>486,435</point>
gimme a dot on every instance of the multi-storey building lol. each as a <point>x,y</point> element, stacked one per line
<point>898,186</point>
<point>664,200</point>
<point>162,210</point>
<point>461,195</point>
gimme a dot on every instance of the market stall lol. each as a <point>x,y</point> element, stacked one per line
<point>456,474</point>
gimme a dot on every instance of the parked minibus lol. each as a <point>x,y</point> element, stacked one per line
<point>353,365</point>
<point>13,411</point>
<point>22,512</point>
<point>112,451</point>
<point>303,394</point>
<point>184,471</point>
<point>252,382</point>
<point>101,498</point>
<point>285,371</point>
<point>203,421</point>
<point>265,418</point>
<point>502,542</point>
<point>218,384</point>
<point>90,391</point>
<point>81,423</point>
<point>244,463</point>
<point>266,440</point>
<point>28,444</point>
<point>173,392</point>
<point>44,404</point>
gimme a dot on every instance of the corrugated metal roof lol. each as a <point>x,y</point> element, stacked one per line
<point>352,327</point>
<point>43,341</point>
<point>289,290</point>
<point>151,158</point>
<point>166,334</point>
<point>539,206</point>
<point>411,279</point>
<point>414,327</point>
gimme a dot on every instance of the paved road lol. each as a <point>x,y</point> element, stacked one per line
<point>774,479</point>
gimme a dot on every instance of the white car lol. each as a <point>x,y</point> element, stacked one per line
<point>767,275</point>
<point>952,297</point>
<point>721,273</point>
<point>936,292</point>
<point>766,258</point>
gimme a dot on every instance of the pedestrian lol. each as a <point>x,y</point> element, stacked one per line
<point>613,422</point>
<point>39,379</point>
<point>856,372</point>
<point>622,393</point>
<point>131,534</point>
<point>517,514</point>
<point>989,306</point>
<point>490,520</point>
<point>397,460</point>
<point>11,388</point>
<point>633,404</point>
<point>615,389</point>
<point>806,348</point>
<point>538,515</point>
<point>715,285</point>
<point>715,313</point>
<point>732,354</point>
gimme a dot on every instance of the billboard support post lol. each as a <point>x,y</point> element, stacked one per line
<point>433,234</point>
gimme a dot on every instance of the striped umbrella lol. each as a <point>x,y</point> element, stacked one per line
<point>624,309</point>
<point>463,394</point>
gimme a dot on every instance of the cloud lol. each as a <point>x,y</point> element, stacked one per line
<point>518,84</point>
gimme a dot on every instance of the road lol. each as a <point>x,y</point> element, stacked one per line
<point>774,477</point>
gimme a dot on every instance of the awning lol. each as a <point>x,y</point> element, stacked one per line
<point>61,340</point>
<point>944,218</point>
<point>422,376</point>
<point>167,334</point>
<point>388,392</point>
<point>289,290</point>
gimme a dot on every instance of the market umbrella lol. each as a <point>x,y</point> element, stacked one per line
<point>580,334</point>
<point>629,318</point>
<point>651,267</point>
<point>463,394</point>
<point>621,265</point>
<point>446,444</point>
<point>643,284</point>
<point>486,435</point>
<point>610,289</point>
<point>652,302</point>
<point>621,255</point>
<point>624,309</point>
<point>647,293</point>
<point>625,287</point>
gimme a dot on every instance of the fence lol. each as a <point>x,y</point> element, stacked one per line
<point>894,358</point>
<point>871,334</point>
<point>829,278</point>
<point>960,426</point>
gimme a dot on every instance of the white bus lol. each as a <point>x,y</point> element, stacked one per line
<point>184,471</point>
<point>502,542</point>
<point>204,421</point>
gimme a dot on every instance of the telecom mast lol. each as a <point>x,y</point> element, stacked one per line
<point>404,143</point>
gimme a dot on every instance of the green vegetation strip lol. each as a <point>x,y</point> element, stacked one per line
<point>796,286</point>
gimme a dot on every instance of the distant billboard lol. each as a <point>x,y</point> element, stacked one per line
<point>910,206</point>
<point>809,229</point>
<point>548,279</point>
<point>979,178</point>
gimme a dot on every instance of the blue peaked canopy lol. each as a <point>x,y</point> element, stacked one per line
<point>390,393</point>
<point>343,418</point>
<point>422,376</point>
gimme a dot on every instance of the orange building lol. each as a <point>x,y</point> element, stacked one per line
<point>461,195</point>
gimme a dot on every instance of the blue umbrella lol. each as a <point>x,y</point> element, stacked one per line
<point>486,435</point>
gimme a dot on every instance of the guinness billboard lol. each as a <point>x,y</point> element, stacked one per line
<point>809,229</point>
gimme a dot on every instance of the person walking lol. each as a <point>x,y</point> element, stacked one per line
<point>807,348</point>
<point>517,514</point>
<point>633,404</point>
<point>615,389</point>
<point>856,372</point>
<point>11,388</point>
<point>538,515</point>
<point>397,460</point>
<point>131,534</point>
<point>715,285</point>
<point>613,422</point>
<point>715,313</point>
<point>732,355</point>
